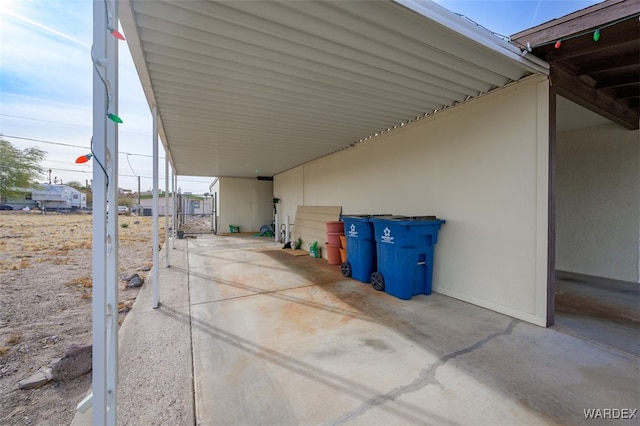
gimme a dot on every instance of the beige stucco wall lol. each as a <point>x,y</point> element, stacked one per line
<point>482,167</point>
<point>244,202</point>
<point>147,203</point>
<point>598,202</point>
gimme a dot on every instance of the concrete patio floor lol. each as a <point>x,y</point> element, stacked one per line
<point>247,334</point>
<point>601,310</point>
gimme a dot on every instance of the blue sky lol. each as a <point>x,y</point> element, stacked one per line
<point>46,90</point>
<point>46,80</point>
<point>507,17</point>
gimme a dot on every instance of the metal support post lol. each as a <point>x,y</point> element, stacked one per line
<point>174,223</point>
<point>112,220</point>
<point>156,242</point>
<point>104,148</point>
<point>166,210</point>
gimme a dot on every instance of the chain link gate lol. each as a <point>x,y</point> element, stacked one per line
<point>195,214</point>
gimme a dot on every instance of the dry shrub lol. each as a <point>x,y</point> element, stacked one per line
<point>4,350</point>
<point>14,338</point>
<point>69,245</point>
<point>84,282</point>
<point>37,246</point>
<point>82,244</point>
<point>53,238</point>
<point>20,264</point>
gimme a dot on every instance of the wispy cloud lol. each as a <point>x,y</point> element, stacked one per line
<point>46,28</point>
<point>535,14</point>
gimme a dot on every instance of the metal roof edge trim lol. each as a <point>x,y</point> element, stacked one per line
<point>448,19</point>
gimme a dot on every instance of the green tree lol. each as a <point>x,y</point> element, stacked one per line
<point>18,169</point>
<point>76,185</point>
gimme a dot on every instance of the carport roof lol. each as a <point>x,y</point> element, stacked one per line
<point>254,88</point>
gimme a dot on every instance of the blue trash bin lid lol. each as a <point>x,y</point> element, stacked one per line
<point>363,216</point>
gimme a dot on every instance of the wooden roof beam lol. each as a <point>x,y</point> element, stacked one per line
<point>576,91</point>
<point>621,36</point>
<point>617,81</point>
<point>633,91</point>
<point>615,64</point>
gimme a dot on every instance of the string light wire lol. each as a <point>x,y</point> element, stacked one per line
<point>583,33</point>
<point>504,37</point>
<point>73,146</point>
<point>104,82</point>
<point>107,88</point>
<point>556,42</point>
<point>106,175</point>
<point>109,23</point>
<point>128,162</point>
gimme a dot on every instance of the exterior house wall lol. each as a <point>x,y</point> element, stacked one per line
<point>598,202</point>
<point>243,202</point>
<point>194,206</point>
<point>147,203</point>
<point>187,205</point>
<point>483,167</point>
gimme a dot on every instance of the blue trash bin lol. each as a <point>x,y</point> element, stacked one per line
<point>361,248</point>
<point>405,249</point>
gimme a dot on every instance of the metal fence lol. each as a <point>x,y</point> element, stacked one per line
<point>195,215</point>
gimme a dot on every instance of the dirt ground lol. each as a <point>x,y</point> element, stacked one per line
<point>45,304</point>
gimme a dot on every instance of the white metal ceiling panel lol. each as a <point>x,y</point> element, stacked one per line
<point>246,88</point>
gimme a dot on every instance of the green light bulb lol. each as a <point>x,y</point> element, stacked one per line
<point>596,35</point>
<point>114,118</point>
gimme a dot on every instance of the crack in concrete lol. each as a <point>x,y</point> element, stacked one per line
<point>426,377</point>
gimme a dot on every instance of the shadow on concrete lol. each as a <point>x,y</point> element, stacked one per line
<point>544,371</point>
<point>409,412</point>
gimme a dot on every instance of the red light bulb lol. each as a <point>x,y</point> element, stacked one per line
<point>117,34</point>
<point>83,158</point>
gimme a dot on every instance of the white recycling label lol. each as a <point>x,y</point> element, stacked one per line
<point>386,236</point>
<point>352,231</point>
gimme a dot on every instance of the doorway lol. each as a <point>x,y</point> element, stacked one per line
<point>597,199</point>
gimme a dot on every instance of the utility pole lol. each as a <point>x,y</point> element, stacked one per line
<point>138,209</point>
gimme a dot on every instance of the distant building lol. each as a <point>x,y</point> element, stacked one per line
<point>187,203</point>
<point>58,197</point>
<point>22,199</point>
